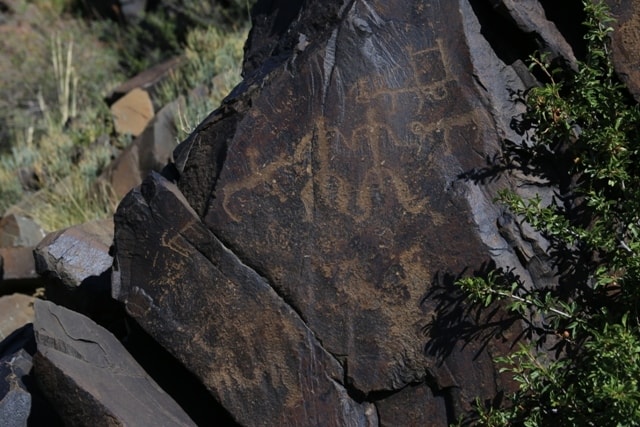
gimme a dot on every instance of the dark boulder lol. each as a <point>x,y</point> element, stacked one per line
<point>76,254</point>
<point>299,256</point>
<point>15,401</point>
<point>75,264</point>
<point>21,401</point>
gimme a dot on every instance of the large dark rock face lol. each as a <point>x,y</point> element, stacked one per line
<point>246,344</point>
<point>300,254</point>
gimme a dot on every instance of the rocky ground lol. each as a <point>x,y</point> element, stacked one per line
<point>292,261</point>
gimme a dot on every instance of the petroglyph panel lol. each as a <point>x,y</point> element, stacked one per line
<point>352,165</point>
<point>428,67</point>
<point>352,188</point>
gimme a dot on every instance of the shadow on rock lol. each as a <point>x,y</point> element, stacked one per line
<point>455,320</point>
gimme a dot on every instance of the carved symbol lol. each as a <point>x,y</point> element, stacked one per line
<point>352,165</point>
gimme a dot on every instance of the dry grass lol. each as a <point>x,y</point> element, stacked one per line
<point>56,73</point>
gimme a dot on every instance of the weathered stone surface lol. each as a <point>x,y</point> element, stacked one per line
<point>18,269</point>
<point>329,189</point>
<point>76,265</point>
<point>147,79</point>
<point>17,311</point>
<point>413,406</point>
<point>149,152</point>
<point>75,254</point>
<point>187,390</point>
<point>91,379</point>
<point>324,212</point>
<point>21,402</point>
<point>273,355</point>
<point>15,400</point>
<point>351,195</point>
<point>18,230</point>
<point>132,112</point>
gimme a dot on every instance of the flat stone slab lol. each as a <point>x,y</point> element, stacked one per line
<point>91,379</point>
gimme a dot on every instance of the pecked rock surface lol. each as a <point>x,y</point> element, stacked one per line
<point>299,256</point>
<point>250,348</point>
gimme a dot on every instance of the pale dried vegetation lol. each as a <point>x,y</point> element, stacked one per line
<point>57,68</point>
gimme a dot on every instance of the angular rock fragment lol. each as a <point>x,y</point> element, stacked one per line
<point>90,377</point>
<point>148,79</point>
<point>132,112</point>
<point>18,272</point>
<point>15,311</point>
<point>149,152</point>
<point>76,265</point>
<point>18,230</point>
<point>77,253</point>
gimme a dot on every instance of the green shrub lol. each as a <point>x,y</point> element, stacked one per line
<point>212,64</point>
<point>207,14</point>
<point>587,120</point>
<point>142,45</point>
<point>164,32</point>
<point>51,117</point>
